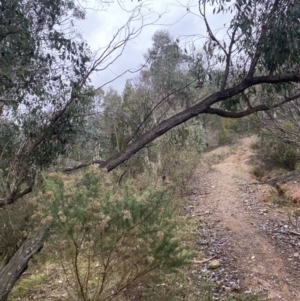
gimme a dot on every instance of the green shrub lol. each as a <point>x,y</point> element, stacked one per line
<point>223,139</point>
<point>275,152</point>
<point>258,171</point>
<point>231,124</point>
<point>284,155</point>
<point>179,166</point>
<point>111,240</point>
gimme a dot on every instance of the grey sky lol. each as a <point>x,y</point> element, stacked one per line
<point>100,26</point>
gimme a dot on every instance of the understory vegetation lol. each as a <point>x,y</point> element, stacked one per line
<point>110,240</point>
<point>276,147</point>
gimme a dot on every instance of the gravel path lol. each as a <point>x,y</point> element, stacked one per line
<point>254,242</point>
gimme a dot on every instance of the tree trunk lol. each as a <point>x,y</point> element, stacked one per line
<point>19,262</point>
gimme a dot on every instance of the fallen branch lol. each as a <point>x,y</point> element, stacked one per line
<point>290,176</point>
<point>290,232</point>
<point>206,260</point>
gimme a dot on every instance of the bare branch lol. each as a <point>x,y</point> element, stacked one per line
<point>210,33</point>
<point>250,110</point>
<point>71,169</point>
<point>14,197</point>
<point>228,60</point>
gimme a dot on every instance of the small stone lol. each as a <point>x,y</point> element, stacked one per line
<point>214,264</point>
<point>296,254</point>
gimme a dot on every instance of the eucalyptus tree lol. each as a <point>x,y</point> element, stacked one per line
<point>169,71</point>
<point>146,99</point>
<point>33,51</point>
<point>166,86</point>
<point>113,123</point>
<point>45,89</point>
<point>36,95</point>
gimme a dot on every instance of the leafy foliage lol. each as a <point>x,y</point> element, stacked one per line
<point>32,49</point>
<point>280,153</point>
<point>43,105</point>
<point>109,239</point>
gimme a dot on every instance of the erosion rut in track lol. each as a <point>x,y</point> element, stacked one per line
<point>228,199</point>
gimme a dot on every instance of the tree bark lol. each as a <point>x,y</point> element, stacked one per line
<point>16,266</point>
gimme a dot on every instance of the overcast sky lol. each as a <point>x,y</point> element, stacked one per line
<point>177,17</point>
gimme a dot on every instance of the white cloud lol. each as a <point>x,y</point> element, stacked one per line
<point>100,26</point>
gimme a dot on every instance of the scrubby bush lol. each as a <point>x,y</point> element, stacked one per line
<point>223,139</point>
<point>275,152</point>
<point>231,124</point>
<point>284,155</point>
<point>111,241</point>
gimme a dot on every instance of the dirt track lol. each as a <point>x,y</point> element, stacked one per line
<point>228,200</point>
